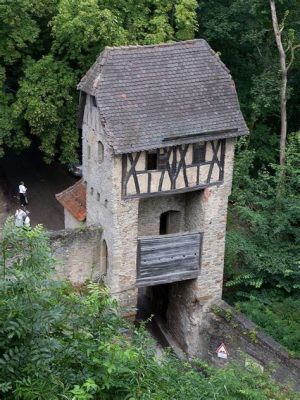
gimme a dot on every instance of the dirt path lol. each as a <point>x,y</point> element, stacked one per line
<point>42,181</point>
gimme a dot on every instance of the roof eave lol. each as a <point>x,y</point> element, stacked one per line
<point>233,133</point>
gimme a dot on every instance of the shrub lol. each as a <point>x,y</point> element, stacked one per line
<point>57,342</point>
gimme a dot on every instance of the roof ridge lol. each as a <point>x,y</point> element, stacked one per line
<point>154,45</point>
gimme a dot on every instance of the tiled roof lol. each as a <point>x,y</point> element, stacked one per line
<point>148,96</point>
<point>74,200</point>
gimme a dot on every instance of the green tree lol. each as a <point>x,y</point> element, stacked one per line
<point>262,248</point>
<point>55,45</point>
<point>241,30</point>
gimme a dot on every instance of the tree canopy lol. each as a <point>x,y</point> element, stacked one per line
<point>46,47</point>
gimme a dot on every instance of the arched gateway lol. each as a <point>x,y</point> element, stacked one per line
<point>166,117</point>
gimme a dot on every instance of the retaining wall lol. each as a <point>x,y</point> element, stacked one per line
<point>246,343</point>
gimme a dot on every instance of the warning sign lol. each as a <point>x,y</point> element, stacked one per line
<point>222,352</point>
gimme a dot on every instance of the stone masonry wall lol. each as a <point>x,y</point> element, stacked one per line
<point>206,211</point>
<point>77,254</point>
<point>105,207</point>
<point>247,344</point>
<point>150,210</point>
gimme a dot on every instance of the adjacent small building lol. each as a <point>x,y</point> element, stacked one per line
<point>158,126</point>
<point>73,200</point>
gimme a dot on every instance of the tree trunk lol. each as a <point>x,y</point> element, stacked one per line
<point>283,88</point>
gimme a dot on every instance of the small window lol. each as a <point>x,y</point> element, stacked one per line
<point>199,150</point>
<point>100,152</point>
<point>92,191</point>
<point>89,152</point>
<point>169,222</point>
<point>104,257</point>
<point>94,101</point>
<point>98,196</point>
<point>162,160</point>
<point>151,159</point>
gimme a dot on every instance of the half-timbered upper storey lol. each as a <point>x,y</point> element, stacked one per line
<point>167,111</point>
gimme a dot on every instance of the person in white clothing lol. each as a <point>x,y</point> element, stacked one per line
<point>19,217</point>
<point>27,220</point>
<point>22,194</point>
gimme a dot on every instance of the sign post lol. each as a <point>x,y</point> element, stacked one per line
<point>222,352</point>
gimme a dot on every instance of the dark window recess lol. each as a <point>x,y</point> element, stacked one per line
<point>162,161</point>
<point>199,150</point>
<point>151,161</point>
<point>169,222</point>
<point>94,101</point>
<point>163,223</point>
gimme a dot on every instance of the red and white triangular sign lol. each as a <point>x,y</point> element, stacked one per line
<point>222,352</point>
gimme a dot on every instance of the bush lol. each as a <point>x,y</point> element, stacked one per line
<point>57,342</point>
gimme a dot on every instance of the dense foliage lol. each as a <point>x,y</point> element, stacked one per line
<point>57,342</point>
<point>47,46</point>
<point>241,30</point>
<point>263,230</point>
<point>263,241</point>
<point>262,244</point>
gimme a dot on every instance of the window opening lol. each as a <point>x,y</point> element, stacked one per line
<point>89,152</point>
<point>94,101</point>
<point>163,223</point>
<point>104,258</point>
<point>162,161</point>
<point>151,160</point>
<point>199,150</point>
<point>100,152</point>
<point>169,222</point>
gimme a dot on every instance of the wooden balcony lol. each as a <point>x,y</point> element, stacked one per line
<point>168,258</point>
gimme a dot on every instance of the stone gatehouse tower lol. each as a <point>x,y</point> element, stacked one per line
<point>158,126</point>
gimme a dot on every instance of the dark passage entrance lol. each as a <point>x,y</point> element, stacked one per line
<point>154,300</point>
<point>159,298</point>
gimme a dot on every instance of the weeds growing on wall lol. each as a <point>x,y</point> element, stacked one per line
<point>60,343</point>
<point>279,316</point>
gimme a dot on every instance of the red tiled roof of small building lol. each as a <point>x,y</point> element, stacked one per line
<point>74,200</point>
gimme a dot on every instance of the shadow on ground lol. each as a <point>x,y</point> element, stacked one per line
<point>42,181</point>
